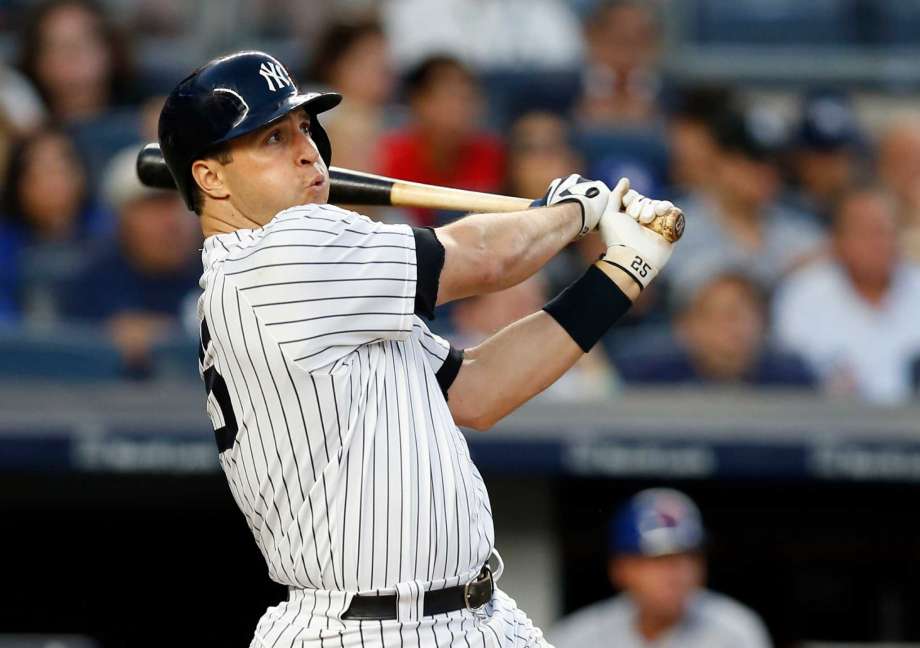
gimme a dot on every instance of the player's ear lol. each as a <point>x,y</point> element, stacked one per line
<point>209,176</point>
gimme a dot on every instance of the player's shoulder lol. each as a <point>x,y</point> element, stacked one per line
<point>731,617</point>
<point>322,218</point>
<point>910,272</point>
<point>592,625</point>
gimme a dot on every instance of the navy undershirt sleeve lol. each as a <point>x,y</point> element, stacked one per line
<point>449,370</point>
<point>429,259</point>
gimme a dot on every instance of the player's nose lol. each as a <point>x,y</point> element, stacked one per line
<point>307,153</point>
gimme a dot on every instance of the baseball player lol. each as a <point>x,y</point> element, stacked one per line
<point>656,540</point>
<point>335,409</point>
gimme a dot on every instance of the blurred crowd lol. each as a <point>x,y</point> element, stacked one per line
<point>799,263</point>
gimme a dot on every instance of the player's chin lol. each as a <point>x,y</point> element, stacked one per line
<point>318,193</point>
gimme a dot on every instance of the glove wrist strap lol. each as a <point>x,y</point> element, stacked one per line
<point>632,263</point>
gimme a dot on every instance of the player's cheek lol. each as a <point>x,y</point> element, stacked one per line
<point>322,192</point>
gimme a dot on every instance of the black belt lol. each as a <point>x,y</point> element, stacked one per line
<point>474,594</point>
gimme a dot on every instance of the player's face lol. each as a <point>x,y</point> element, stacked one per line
<point>276,167</point>
<point>662,586</point>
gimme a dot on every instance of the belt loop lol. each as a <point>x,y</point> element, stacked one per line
<point>499,565</point>
<point>410,602</point>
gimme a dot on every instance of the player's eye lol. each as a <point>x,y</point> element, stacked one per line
<point>305,127</point>
<point>274,137</point>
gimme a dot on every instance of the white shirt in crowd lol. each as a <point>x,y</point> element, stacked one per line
<point>712,621</point>
<point>851,344</point>
<point>788,238</point>
<point>488,34</point>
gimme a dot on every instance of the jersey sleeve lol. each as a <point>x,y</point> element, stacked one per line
<point>444,359</point>
<point>318,277</point>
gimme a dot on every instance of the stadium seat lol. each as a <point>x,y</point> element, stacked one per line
<point>176,357</point>
<point>640,155</point>
<point>67,353</point>
<point>774,22</point>
<point>513,93</point>
<point>898,22</point>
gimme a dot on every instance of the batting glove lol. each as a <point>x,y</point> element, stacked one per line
<point>637,250</point>
<point>591,195</point>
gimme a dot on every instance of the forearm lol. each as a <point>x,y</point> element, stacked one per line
<point>489,252</point>
<point>519,362</point>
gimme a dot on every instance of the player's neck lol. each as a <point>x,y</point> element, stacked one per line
<point>651,627</point>
<point>223,219</point>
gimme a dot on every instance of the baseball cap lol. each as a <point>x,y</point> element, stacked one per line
<point>121,185</point>
<point>657,522</point>
<point>828,123</point>
<point>758,134</point>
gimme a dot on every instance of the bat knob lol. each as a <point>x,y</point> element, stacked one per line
<point>670,225</point>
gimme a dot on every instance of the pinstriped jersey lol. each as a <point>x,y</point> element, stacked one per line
<point>333,432</point>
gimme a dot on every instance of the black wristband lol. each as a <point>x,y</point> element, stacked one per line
<point>589,307</point>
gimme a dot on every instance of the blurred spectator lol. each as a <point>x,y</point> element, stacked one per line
<point>738,221</point>
<point>621,84</point>
<point>48,214</point>
<point>540,149</point>
<point>720,327</point>
<point>353,59</point>
<point>855,317</point>
<point>826,158</point>
<point>443,143</point>
<point>898,170</point>
<point>691,138</point>
<point>7,137</point>
<point>656,560</point>
<point>489,34</point>
<point>76,59</point>
<point>20,104</point>
<point>80,65</point>
<point>476,318</point>
<point>45,192</point>
<point>137,287</point>
<point>161,18</point>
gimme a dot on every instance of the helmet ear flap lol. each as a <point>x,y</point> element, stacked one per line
<point>321,139</point>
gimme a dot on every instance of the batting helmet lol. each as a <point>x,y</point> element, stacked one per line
<point>228,97</point>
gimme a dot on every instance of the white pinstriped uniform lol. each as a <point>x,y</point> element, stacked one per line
<point>335,437</point>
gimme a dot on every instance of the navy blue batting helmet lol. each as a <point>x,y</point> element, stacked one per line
<point>229,97</point>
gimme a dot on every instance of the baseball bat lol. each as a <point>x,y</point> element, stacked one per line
<point>359,188</point>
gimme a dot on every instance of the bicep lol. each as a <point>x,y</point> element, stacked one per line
<point>467,263</point>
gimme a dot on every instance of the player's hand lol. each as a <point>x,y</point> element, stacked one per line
<point>591,195</point>
<point>635,249</point>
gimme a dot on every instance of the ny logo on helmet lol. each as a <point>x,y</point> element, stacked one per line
<point>275,76</point>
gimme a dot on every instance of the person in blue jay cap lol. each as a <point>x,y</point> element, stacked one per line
<point>656,561</point>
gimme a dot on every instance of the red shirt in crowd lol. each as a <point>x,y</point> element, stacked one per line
<point>480,165</point>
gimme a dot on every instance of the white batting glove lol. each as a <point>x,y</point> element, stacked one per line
<point>641,208</point>
<point>637,250</point>
<point>591,195</point>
